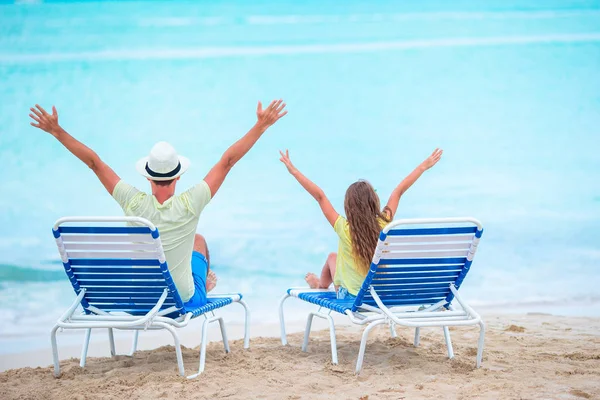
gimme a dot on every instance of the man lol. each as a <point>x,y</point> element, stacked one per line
<point>176,216</point>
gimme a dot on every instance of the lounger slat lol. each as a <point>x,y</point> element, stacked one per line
<point>384,269</point>
<point>100,297</point>
<point>212,304</point>
<point>112,261</point>
<point>116,270</point>
<point>134,238</point>
<point>327,299</point>
<point>130,283</point>
<point>399,295</point>
<point>131,306</point>
<point>412,286</point>
<point>383,293</point>
<point>432,231</point>
<point>414,274</point>
<point>120,230</point>
<point>134,255</point>
<point>391,303</point>
<point>424,261</point>
<point>430,239</point>
<point>397,255</point>
<point>92,290</point>
<point>447,280</point>
<point>116,297</point>
<point>411,300</point>
<point>409,246</point>
<point>135,276</point>
<point>90,246</point>
<point>382,278</point>
<point>133,311</point>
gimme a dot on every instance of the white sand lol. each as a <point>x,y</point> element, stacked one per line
<point>528,356</point>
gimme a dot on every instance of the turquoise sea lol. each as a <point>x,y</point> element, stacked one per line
<point>509,89</point>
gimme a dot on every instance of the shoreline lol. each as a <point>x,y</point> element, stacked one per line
<point>533,355</point>
<point>99,345</point>
<point>19,351</point>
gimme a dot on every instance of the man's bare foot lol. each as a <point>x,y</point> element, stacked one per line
<point>313,281</point>
<point>211,281</point>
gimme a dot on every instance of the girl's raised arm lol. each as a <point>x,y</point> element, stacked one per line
<point>311,188</point>
<point>429,162</point>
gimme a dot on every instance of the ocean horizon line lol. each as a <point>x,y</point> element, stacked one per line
<point>240,51</point>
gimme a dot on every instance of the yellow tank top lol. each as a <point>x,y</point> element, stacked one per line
<point>347,273</point>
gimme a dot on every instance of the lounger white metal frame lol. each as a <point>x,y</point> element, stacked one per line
<point>414,277</point>
<point>94,257</point>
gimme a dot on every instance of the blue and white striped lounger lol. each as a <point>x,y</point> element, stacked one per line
<point>414,277</point>
<point>121,279</point>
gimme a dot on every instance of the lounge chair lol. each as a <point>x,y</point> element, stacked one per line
<point>121,280</point>
<point>414,277</point>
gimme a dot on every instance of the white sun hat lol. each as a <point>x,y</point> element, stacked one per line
<point>163,163</point>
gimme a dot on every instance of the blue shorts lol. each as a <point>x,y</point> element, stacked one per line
<point>199,270</point>
<point>343,293</point>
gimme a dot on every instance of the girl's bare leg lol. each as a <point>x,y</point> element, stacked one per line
<point>327,274</point>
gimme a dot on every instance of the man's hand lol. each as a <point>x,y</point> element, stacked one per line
<point>432,159</point>
<point>271,114</point>
<point>285,158</point>
<point>267,117</point>
<point>45,121</point>
<point>49,123</point>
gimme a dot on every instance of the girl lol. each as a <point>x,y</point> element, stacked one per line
<point>359,232</point>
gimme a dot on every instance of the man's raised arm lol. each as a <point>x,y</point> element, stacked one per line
<point>49,123</point>
<point>233,154</point>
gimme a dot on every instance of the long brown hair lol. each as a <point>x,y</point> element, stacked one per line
<point>363,213</point>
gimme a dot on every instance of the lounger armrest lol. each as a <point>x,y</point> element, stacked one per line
<point>177,323</point>
<point>99,321</point>
<point>295,291</point>
<point>233,296</point>
<point>462,303</point>
<point>416,319</point>
<point>383,307</point>
<point>67,314</point>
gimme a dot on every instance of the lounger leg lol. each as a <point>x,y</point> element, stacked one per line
<point>202,348</point>
<point>448,342</point>
<point>480,343</point>
<point>111,340</point>
<point>363,344</point>
<point>417,337</point>
<point>246,324</point>
<point>334,357</point>
<point>307,331</point>
<point>224,334</point>
<point>393,330</point>
<point>55,351</point>
<point>177,345</point>
<point>281,320</point>
<point>134,342</point>
<point>84,350</point>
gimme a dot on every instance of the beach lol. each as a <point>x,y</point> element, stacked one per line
<point>527,356</point>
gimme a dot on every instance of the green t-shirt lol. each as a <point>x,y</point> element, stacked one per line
<point>176,220</point>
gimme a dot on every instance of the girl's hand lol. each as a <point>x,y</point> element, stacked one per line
<point>271,114</point>
<point>46,122</point>
<point>432,159</point>
<point>285,158</point>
